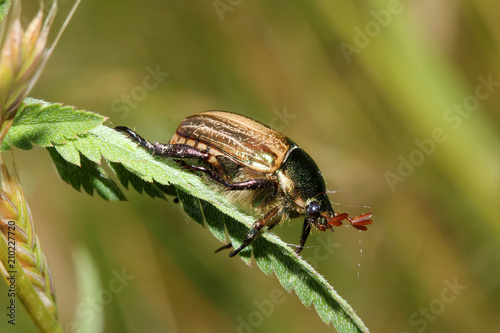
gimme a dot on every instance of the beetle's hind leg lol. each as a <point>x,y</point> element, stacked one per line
<point>165,150</point>
<point>136,137</point>
<point>250,184</point>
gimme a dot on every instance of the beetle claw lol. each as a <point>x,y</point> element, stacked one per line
<point>227,246</point>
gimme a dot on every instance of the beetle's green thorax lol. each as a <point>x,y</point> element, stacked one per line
<point>301,180</point>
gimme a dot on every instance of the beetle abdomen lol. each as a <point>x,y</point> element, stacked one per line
<point>246,141</point>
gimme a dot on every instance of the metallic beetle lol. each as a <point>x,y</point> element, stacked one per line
<point>258,165</point>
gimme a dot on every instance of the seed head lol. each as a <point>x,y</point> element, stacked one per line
<point>16,226</point>
<point>22,57</point>
<point>23,54</point>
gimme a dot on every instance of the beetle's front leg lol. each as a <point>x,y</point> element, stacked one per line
<point>306,229</point>
<point>252,233</point>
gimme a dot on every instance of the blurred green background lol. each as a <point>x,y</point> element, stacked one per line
<point>395,100</point>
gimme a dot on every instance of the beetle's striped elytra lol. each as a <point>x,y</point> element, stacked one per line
<point>245,140</point>
<point>243,156</point>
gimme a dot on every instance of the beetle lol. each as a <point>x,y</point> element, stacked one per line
<point>255,164</point>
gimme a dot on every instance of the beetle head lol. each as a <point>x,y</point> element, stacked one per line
<point>319,212</point>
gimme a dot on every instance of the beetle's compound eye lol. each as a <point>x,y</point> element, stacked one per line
<point>313,209</point>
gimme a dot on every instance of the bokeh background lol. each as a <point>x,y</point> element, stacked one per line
<point>397,101</point>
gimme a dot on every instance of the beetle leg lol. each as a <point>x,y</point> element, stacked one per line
<point>252,233</point>
<point>306,229</point>
<point>230,245</point>
<point>135,137</point>
<point>227,246</point>
<point>214,176</point>
<point>251,184</point>
<point>273,225</point>
<point>165,150</point>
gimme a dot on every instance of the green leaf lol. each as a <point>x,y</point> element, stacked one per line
<point>138,184</point>
<point>69,152</point>
<point>89,175</point>
<point>192,207</point>
<point>86,145</point>
<point>214,221</point>
<point>45,123</point>
<point>134,165</point>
